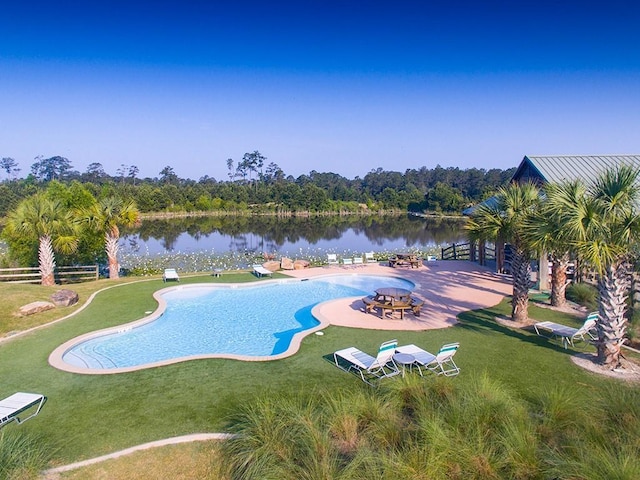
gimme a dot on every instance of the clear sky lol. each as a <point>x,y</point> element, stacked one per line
<point>333,86</point>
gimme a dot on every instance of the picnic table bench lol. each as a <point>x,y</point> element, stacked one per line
<point>371,303</point>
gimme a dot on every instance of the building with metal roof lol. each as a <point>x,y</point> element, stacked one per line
<point>560,168</point>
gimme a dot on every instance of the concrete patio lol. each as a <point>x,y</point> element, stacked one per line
<point>446,287</point>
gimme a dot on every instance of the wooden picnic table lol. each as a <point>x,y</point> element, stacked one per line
<point>405,260</point>
<point>390,300</point>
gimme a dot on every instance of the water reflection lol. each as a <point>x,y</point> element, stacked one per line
<point>283,235</point>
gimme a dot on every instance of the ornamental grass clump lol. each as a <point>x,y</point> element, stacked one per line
<point>21,455</point>
<point>438,428</point>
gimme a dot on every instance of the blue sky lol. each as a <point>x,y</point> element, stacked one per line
<point>339,86</point>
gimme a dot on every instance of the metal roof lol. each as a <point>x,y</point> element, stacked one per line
<point>558,168</point>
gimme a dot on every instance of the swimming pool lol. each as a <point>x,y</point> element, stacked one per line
<point>249,321</point>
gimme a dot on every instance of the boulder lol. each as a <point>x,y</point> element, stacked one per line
<point>286,263</point>
<point>36,307</point>
<point>64,298</point>
<point>300,264</point>
<point>272,265</point>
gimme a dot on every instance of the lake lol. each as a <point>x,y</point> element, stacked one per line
<point>288,236</point>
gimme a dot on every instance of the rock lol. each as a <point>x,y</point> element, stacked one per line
<point>64,298</point>
<point>36,307</point>
<point>272,265</point>
<point>300,264</point>
<point>286,263</point>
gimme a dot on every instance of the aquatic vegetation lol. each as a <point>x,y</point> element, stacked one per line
<point>146,264</point>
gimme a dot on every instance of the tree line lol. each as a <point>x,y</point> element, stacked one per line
<point>255,186</point>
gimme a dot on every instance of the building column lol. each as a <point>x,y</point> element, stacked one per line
<point>543,272</point>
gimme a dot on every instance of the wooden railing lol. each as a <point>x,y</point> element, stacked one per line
<point>468,251</point>
<point>75,274</point>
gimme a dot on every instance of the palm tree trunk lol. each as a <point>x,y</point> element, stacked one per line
<point>613,288</point>
<point>521,275</point>
<point>559,280</point>
<point>47,261</point>
<point>111,247</point>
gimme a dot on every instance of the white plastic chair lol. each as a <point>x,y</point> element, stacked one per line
<point>569,335</point>
<point>17,404</point>
<point>369,368</point>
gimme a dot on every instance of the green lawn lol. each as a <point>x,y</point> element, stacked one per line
<point>90,415</point>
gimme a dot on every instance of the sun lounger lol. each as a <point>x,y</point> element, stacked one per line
<point>18,403</point>
<point>443,364</point>
<point>358,261</point>
<point>347,262</point>
<point>422,358</point>
<point>369,368</point>
<point>569,334</point>
<point>332,259</point>
<point>368,258</point>
<point>170,274</point>
<point>260,271</point>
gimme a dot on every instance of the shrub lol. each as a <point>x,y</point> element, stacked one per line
<point>583,294</point>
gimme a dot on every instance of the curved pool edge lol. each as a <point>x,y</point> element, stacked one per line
<point>56,357</point>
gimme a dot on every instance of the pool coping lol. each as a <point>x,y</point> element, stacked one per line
<point>318,311</point>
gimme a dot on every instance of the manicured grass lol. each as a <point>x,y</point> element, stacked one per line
<point>89,415</point>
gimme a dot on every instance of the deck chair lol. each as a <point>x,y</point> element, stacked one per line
<point>569,335</point>
<point>260,271</point>
<point>422,357</point>
<point>18,403</point>
<point>368,257</point>
<point>369,368</point>
<point>358,261</point>
<point>347,262</point>
<point>170,274</point>
<point>443,364</point>
<point>332,259</point>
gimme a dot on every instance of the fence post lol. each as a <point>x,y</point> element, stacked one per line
<point>455,255</point>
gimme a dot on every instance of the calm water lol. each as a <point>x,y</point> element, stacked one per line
<point>290,235</point>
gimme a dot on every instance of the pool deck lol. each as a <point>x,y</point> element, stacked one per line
<point>446,287</point>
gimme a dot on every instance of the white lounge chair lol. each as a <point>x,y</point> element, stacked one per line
<point>443,364</point>
<point>332,259</point>
<point>347,262</point>
<point>368,257</point>
<point>170,274</point>
<point>260,271</point>
<point>369,368</point>
<point>18,403</point>
<point>569,334</point>
<point>422,357</point>
<point>358,261</point>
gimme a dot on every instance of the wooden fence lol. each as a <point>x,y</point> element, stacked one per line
<point>469,251</point>
<point>63,275</point>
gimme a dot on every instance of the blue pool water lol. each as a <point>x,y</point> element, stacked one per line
<point>258,320</point>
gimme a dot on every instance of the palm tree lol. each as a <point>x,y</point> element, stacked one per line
<point>106,216</point>
<point>546,233</point>
<point>606,226</point>
<point>45,219</point>
<point>503,221</point>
